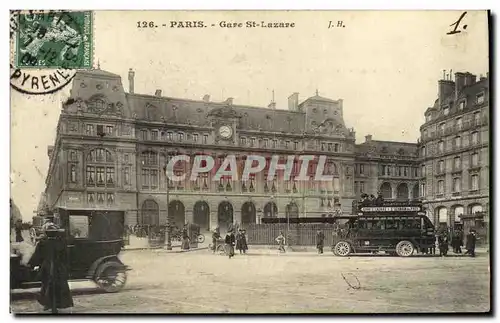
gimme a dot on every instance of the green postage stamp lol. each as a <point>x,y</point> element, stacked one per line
<point>54,39</point>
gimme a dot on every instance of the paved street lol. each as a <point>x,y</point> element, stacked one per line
<point>265,282</point>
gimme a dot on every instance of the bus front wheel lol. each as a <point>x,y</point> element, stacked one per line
<point>342,249</point>
<point>404,248</point>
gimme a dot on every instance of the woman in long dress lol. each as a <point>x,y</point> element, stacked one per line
<point>185,239</point>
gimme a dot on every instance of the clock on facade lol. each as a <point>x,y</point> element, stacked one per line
<point>225,132</point>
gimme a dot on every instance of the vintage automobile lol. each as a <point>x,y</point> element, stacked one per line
<point>93,241</point>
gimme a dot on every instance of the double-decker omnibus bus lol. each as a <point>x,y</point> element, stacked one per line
<point>397,228</point>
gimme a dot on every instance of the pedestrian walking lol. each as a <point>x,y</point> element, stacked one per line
<point>443,244</point>
<point>241,241</point>
<point>51,259</point>
<point>185,239</point>
<point>215,238</point>
<point>456,242</point>
<point>320,240</point>
<point>230,241</point>
<point>281,242</point>
<point>471,243</point>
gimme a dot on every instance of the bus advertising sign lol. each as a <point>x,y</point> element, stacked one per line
<point>390,209</point>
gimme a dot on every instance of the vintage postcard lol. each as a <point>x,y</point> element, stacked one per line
<point>250,162</point>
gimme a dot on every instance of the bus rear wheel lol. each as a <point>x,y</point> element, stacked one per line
<point>342,249</point>
<point>405,248</point>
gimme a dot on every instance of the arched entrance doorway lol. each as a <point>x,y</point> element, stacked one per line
<point>248,213</point>
<point>177,214</point>
<point>402,191</point>
<point>201,215</point>
<point>386,190</point>
<point>458,211</point>
<point>270,210</point>
<point>150,213</point>
<point>224,216</point>
<point>292,210</point>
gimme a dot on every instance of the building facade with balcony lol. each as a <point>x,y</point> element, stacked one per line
<point>388,167</point>
<point>112,148</point>
<point>454,153</point>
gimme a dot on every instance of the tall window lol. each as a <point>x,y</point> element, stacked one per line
<point>477,117</point>
<point>252,142</point>
<point>441,128</point>
<point>441,166</point>
<point>243,141</point>
<point>446,111</point>
<point>336,148</point>
<point>440,187</point>
<point>205,139</point>
<point>295,145</point>
<point>72,173</point>
<point>441,146</point>
<point>170,136</point>
<point>361,169</point>
<point>422,170</point>
<point>275,143</point>
<point>180,136</point>
<point>100,170</point>
<point>109,130</point>
<point>456,184</point>
<point>480,98</point>
<point>149,164</point>
<point>457,163</point>
<point>195,137</point>
<point>144,135</point>
<point>126,175</point>
<point>458,142</point>
<point>266,143</point>
<point>89,129</point>
<point>461,105</point>
<point>287,144</point>
<point>474,182</point>
<point>422,189</point>
<point>474,138</point>
<point>475,159</point>
<point>323,146</point>
<point>459,123</point>
<point>154,135</point>
<point>422,151</point>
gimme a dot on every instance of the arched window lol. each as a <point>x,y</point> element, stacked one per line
<point>150,213</point>
<point>386,190</point>
<point>100,168</point>
<point>97,104</point>
<point>149,170</point>
<point>476,209</point>
<point>458,211</point>
<point>442,215</point>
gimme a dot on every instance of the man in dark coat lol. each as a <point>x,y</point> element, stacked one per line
<point>471,243</point>
<point>456,242</point>
<point>320,240</point>
<point>50,257</point>
<point>230,241</point>
<point>443,244</point>
<point>241,241</point>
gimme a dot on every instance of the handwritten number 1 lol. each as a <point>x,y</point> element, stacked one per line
<point>455,31</point>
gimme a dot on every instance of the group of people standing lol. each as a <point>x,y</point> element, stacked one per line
<point>457,243</point>
<point>231,240</point>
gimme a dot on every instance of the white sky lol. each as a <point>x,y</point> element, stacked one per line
<point>384,65</point>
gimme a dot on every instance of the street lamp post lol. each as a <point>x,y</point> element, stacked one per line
<point>169,226</point>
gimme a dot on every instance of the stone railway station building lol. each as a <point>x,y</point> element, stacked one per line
<point>112,146</point>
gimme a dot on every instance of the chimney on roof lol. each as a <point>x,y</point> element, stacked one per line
<point>470,78</point>
<point>459,83</point>
<point>206,98</point>
<point>131,75</point>
<point>158,92</point>
<point>446,87</point>
<point>293,102</point>
<point>368,138</point>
